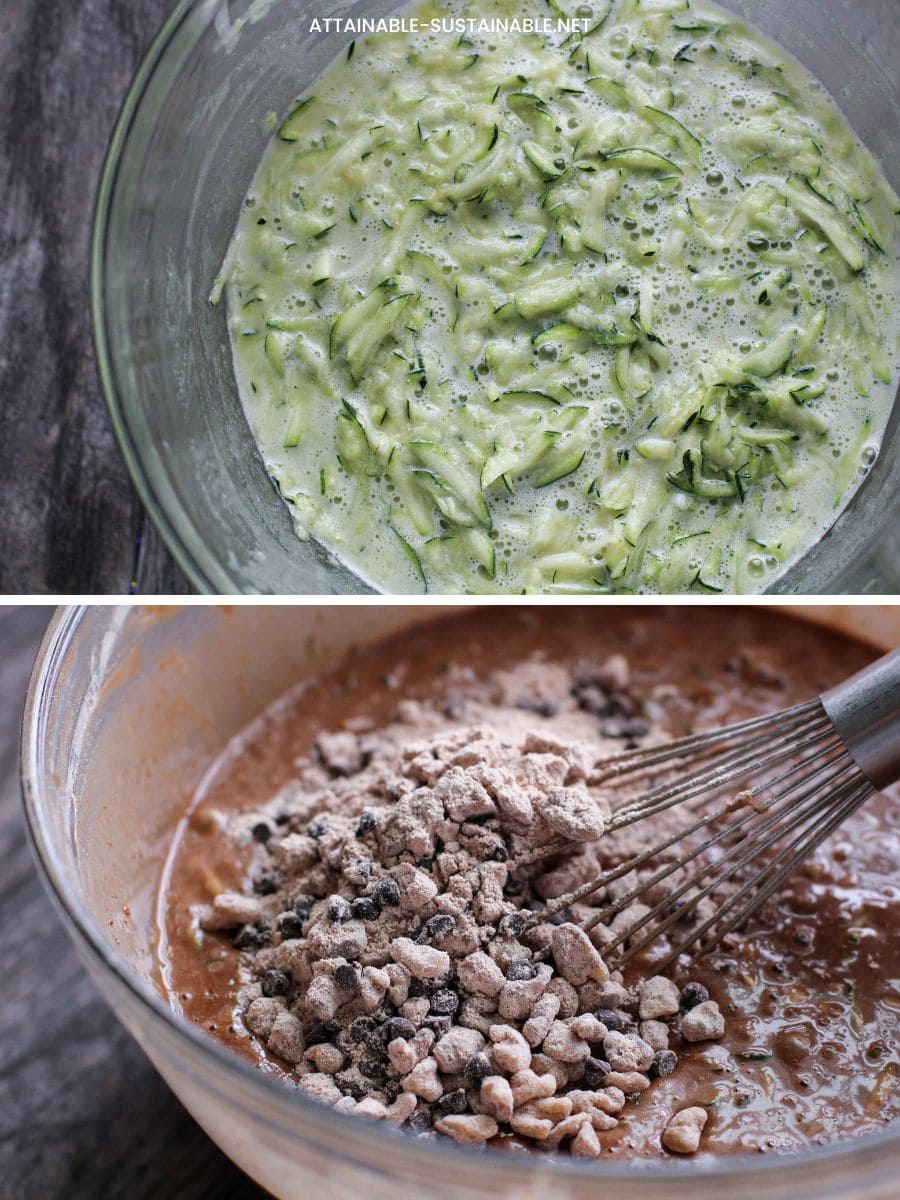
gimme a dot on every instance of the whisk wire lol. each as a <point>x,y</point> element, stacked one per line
<point>792,854</point>
<point>730,767</point>
<point>738,857</point>
<point>707,818</point>
<point>789,780</point>
<point>640,757</point>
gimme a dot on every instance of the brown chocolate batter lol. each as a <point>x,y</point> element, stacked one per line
<point>811,995</point>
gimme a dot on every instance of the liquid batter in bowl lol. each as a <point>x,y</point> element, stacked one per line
<point>808,995</point>
<point>606,307</point>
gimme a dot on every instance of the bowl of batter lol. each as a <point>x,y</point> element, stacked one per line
<point>608,308</point>
<point>190,799</point>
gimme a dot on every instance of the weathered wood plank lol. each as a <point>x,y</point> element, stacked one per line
<point>70,520</point>
<point>83,1114</point>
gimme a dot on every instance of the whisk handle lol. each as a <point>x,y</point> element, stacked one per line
<point>865,710</point>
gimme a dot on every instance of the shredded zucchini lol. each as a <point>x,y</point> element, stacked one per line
<point>611,309</point>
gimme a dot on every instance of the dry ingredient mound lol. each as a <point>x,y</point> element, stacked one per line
<point>393,948</point>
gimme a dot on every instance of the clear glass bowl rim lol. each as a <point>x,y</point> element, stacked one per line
<point>200,573</point>
<point>39,792</point>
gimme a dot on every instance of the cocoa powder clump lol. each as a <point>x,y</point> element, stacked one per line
<point>397,960</point>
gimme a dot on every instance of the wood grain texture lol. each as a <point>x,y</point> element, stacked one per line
<point>83,1114</point>
<point>70,520</point>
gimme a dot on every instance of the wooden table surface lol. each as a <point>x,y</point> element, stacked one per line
<point>70,520</point>
<point>83,1114</point>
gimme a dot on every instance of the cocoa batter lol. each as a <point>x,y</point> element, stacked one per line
<point>809,999</point>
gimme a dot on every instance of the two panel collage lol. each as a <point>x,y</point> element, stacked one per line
<point>450,639</point>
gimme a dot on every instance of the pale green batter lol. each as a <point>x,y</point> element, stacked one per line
<point>605,311</point>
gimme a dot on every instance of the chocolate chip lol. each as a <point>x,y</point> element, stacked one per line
<point>303,906</point>
<point>372,1069</point>
<point>387,892</point>
<point>289,925</point>
<point>267,883</point>
<point>615,1021</point>
<point>452,1103</point>
<point>444,1002</point>
<point>543,708</point>
<point>513,924</point>
<point>339,910</point>
<point>275,983</point>
<point>261,831</point>
<point>398,1027</point>
<point>638,729</point>
<point>346,976</point>
<point>593,698</point>
<point>477,1069</point>
<point>627,729</point>
<point>364,908</point>
<point>376,1046</point>
<point>350,1085</point>
<point>498,854</point>
<point>317,828</point>
<point>360,870</point>
<point>251,937</point>
<point>521,968</point>
<point>595,1071</point>
<point>441,925</point>
<point>664,1063</point>
<point>421,1120</point>
<point>368,820</point>
<point>361,1029</point>
<point>693,994</point>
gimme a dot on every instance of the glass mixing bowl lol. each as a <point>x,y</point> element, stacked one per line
<point>182,157</point>
<point>127,707</point>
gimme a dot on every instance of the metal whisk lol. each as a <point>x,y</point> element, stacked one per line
<point>761,795</point>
